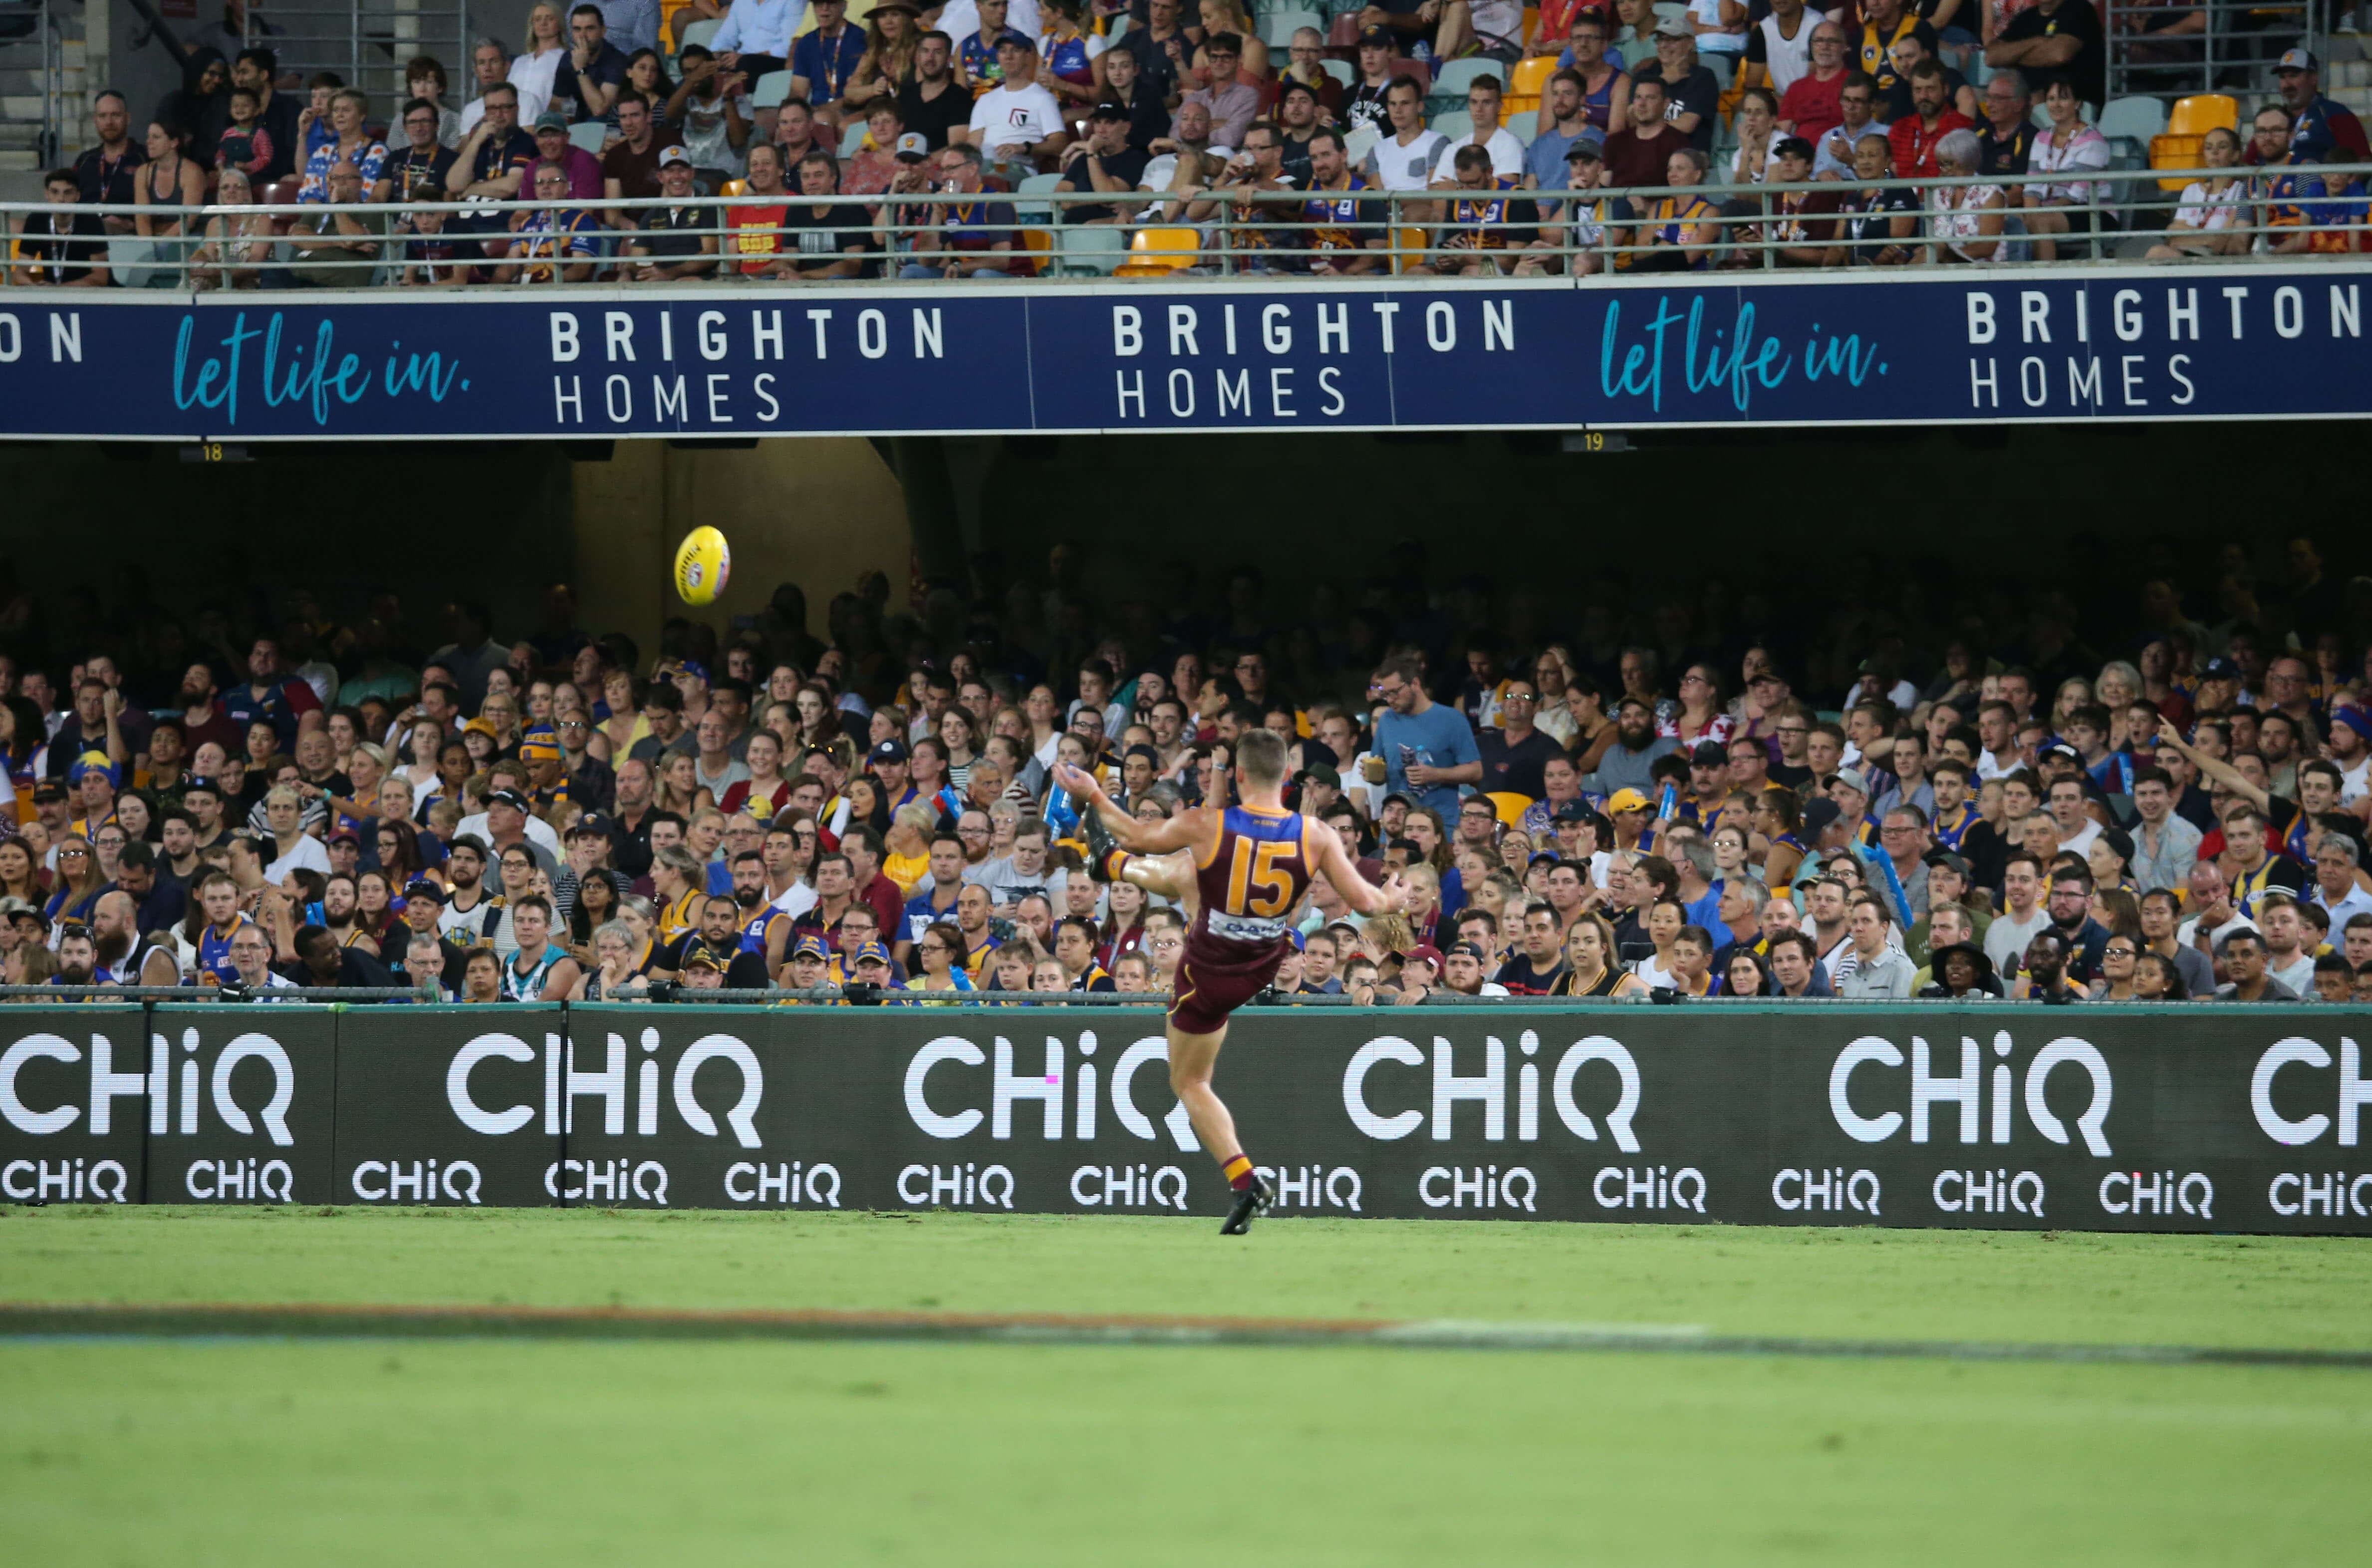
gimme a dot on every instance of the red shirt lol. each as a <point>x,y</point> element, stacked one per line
<point>1811,106</point>
<point>1914,145</point>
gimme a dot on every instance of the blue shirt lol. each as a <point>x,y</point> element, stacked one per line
<point>760,26</point>
<point>1439,738</point>
<point>632,24</point>
<point>828,66</point>
<point>1544,159</point>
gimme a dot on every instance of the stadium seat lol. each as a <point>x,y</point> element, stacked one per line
<point>1157,252</point>
<point>1452,81</point>
<point>770,90</point>
<point>734,188</point>
<point>1341,71</point>
<point>1523,128</point>
<point>1277,28</point>
<point>588,134</point>
<point>1510,806</point>
<point>1456,125</point>
<point>281,192</point>
<point>1530,79</point>
<point>1408,248</point>
<point>2186,128</point>
<point>1037,248</point>
<point>696,32</point>
<point>1028,211</point>
<point>1088,250</point>
<point>852,141</point>
<point>1118,29</point>
<point>2129,123</point>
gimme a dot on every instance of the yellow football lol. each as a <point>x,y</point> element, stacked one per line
<point>702,563</point>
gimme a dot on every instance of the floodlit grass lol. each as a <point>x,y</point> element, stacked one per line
<point>479,1450</point>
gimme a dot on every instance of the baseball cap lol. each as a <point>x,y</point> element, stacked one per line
<point>1792,147</point>
<point>56,789</point>
<point>509,798</point>
<point>1381,37</point>
<point>591,825</point>
<point>1401,795</point>
<point>1573,811</point>
<point>1426,952</point>
<point>2220,669</point>
<point>1709,754</point>
<point>541,744</point>
<point>348,834</point>
<point>2060,749</point>
<point>691,667</point>
<point>1623,800</point>
<point>1468,950</point>
<point>29,912</point>
<point>1673,27</point>
<point>674,155</point>
<point>1819,815</point>
<point>1108,111</point>
<point>869,952</point>
<point>2119,840</point>
<point>550,121</point>
<point>913,148</point>
<point>1852,779</point>
<point>810,947</point>
<point>1945,858</point>
<point>2296,60</point>
<point>1321,774</point>
<point>701,953</point>
<point>1591,144</point>
<point>189,783</point>
<point>887,751</point>
<point>422,887</point>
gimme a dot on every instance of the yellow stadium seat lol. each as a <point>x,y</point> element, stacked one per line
<point>1408,249</point>
<point>1529,81</point>
<point>734,188</point>
<point>1156,252</point>
<point>2186,132</point>
<point>1039,245</point>
<point>1511,807</point>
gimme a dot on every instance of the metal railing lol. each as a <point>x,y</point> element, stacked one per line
<point>366,43</point>
<point>2153,50</point>
<point>2122,214</point>
<point>32,43</point>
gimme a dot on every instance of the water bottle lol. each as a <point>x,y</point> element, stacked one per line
<point>1061,813</point>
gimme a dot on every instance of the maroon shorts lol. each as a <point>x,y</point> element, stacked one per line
<point>1211,986</point>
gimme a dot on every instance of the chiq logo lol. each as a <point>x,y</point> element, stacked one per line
<point>2353,1091</point>
<point>609,1087</point>
<point>1963,1090</point>
<point>107,1086</point>
<point>1489,1088</point>
<point>1045,1088</point>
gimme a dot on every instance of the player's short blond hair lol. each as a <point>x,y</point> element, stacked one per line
<point>1259,753</point>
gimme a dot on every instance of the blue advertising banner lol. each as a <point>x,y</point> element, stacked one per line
<point>1963,346</point>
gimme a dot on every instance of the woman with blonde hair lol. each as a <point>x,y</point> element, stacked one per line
<point>893,32</point>
<point>909,844</point>
<point>534,71</point>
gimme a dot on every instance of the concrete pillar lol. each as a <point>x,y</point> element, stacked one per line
<point>817,513</point>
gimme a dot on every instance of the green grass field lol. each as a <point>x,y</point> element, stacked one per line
<point>262,1451</point>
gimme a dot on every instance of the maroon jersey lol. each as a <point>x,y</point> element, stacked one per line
<point>1250,881</point>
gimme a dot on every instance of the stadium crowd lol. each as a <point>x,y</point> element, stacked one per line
<point>1685,795</point>
<point>941,116</point>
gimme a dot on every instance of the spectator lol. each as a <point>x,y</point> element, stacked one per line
<point>1879,970</point>
<point>1795,967</point>
<point>490,64</point>
<point>1484,222</point>
<point>106,175</point>
<point>1507,154</point>
<point>1837,155</point>
<point>591,73</point>
<point>705,108</point>
<point>1232,104</point>
<point>832,240</point>
<point>1641,154</point>
<point>675,241</point>
<point>422,160</point>
<point>2052,40</point>
<point>277,146</point>
<point>1965,222</point>
<point>2242,954</point>
<point>1016,123</point>
<point>2320,130</point>
<point>1692,94</point>
<point>1811,104</point>
<point>824,58</point>
<point>1102,160</point>
<point>2006,135</point>
<point>2069,145</point>
<point>1405,158</point>
<point>1918,137</point>
<point>536,71</point>
<point>61,248</point>
<point>348,141</point>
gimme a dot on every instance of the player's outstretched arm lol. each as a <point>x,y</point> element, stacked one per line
<point>1363,896</point>
<point>1180,831</point>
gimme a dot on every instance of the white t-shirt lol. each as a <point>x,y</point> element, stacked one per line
<point>1007,115</point>
<point>1789,59</point>
<point>309,855</point>
<point>960,19</point>
<point>2082,842</point>
<point>2299,974</point>
<point>1398,166</point>
<point>533,75</point>
<point>539,833</point>
<point>796,900</point>
<point>1507,155</point>
<point>2356,782</point>
<point>2187,933</point>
